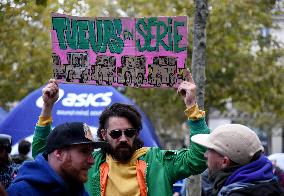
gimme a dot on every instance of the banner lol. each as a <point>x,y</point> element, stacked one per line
<point>136,52</point>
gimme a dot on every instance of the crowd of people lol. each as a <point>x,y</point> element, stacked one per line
<point>9,165</point>
<point>230,158</point>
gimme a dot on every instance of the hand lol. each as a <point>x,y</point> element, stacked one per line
<point>188,90</point>
<point>50,93</point>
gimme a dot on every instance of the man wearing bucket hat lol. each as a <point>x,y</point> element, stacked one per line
<point>236,163</point>
<point>62,168</point>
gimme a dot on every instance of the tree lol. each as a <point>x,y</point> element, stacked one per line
<point>25,57</point>
<point>198,69</point>
<point>249,77</point>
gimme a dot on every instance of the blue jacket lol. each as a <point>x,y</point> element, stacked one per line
<point>38,178</point>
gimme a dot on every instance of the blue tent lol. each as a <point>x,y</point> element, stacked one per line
<point>76,103</point>
<point>3,114</point>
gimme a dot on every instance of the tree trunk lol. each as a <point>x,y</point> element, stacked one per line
<point>198,71</point>
<point>199,49</point>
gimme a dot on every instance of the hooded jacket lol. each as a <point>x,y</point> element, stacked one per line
<point>255,178</point>
<point>38,178</point>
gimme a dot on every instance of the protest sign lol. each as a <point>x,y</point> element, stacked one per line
<point>127,51</point>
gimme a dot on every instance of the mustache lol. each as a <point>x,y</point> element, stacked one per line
<point>123,145</point>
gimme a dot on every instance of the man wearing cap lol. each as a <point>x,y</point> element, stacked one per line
<point>62,168</point>
<point>236,163</point>
<point>8,169</point>
<point>126,167</point>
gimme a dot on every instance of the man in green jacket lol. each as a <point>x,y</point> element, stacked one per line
<point>126,167</point>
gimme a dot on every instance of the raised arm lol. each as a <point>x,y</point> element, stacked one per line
<point>186,162</point>
<point>50,95</point>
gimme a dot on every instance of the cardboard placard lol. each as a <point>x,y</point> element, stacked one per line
<point>136,52</point>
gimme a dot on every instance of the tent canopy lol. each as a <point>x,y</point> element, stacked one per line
<point>3,114</point>
<point>76,103</point>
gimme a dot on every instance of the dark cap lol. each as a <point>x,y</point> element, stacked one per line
<point>71,133</point>
<point>6,142</point>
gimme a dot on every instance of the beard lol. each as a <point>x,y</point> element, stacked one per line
<point>123,152</point>
<point>74,175</point>
<point>213,169</point>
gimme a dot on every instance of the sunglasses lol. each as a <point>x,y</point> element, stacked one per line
<point>117,133</point>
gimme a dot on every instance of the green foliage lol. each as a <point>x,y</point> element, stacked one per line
<point>41,2</point>
<point>251,78</point>
<point>25,57</point>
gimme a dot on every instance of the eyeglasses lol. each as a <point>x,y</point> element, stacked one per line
<point>117,133</point>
